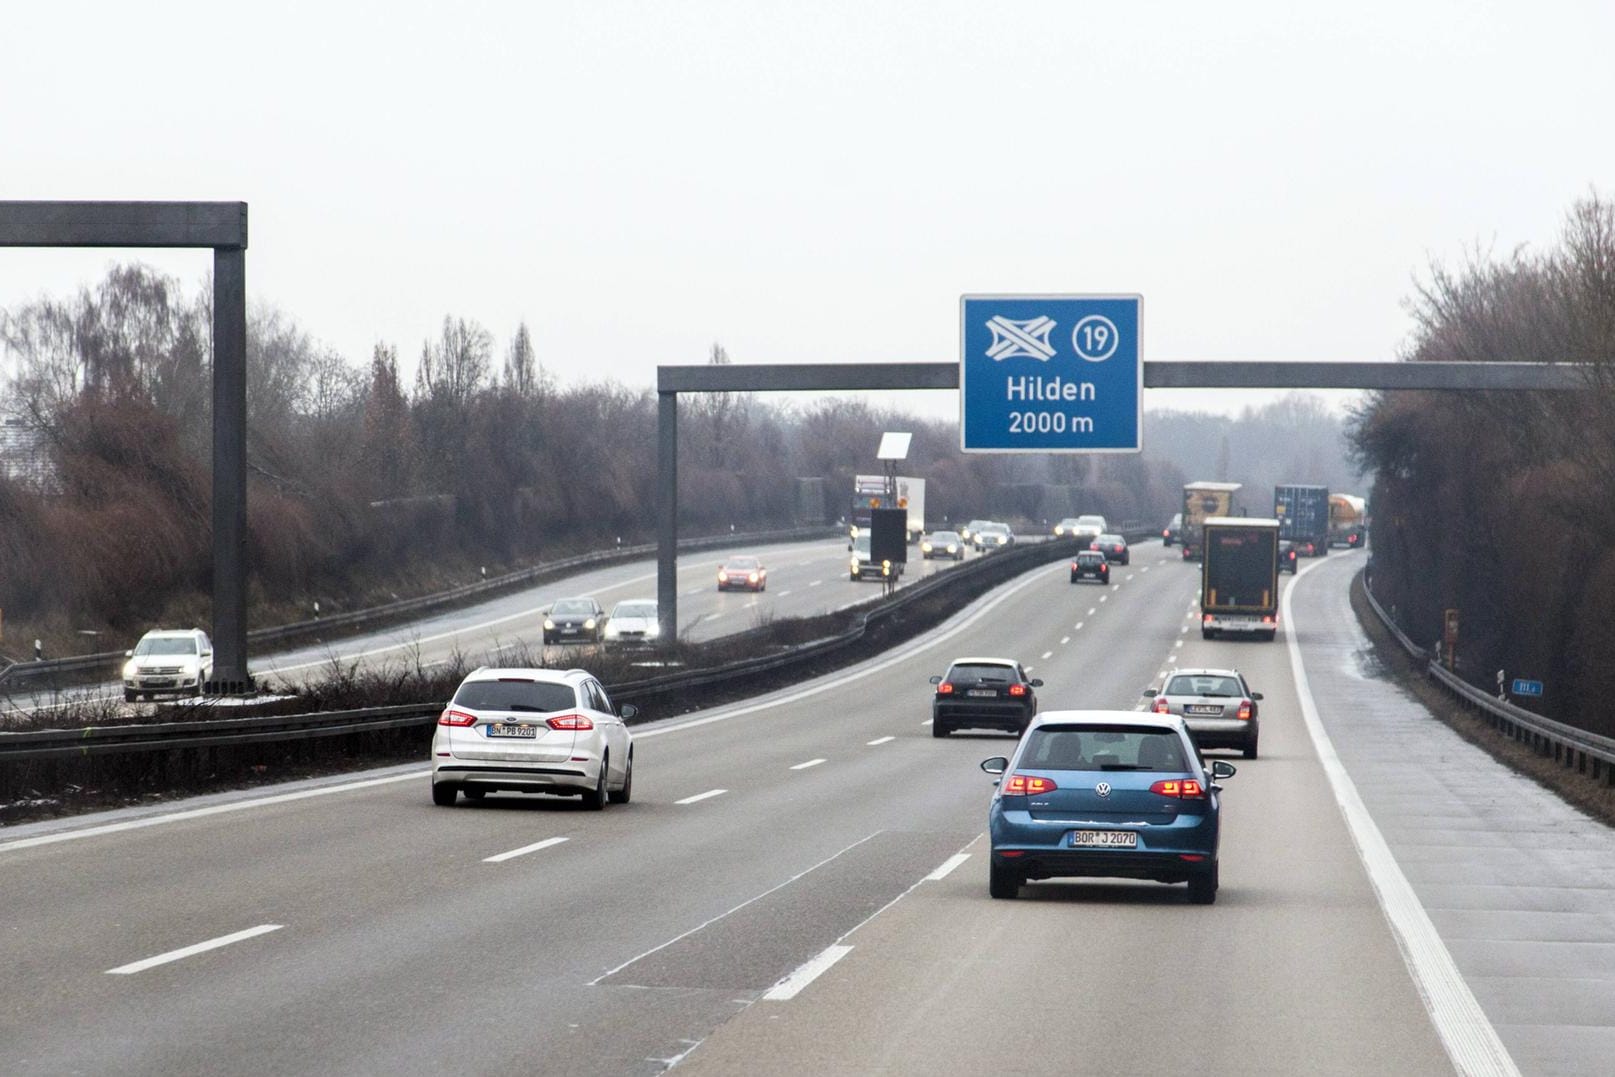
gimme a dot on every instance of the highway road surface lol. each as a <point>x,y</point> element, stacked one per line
<point>800,887</point>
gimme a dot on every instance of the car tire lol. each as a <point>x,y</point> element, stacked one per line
<point>129,696</point>
<point>444,794</point>
<point>623,795</point>
<point>1208,633</point>
<point>1271,635</point>
<point>546,639</point>
<point>473,794</point>
<point>595,799</point>
<point>1203,886</point>
<point>938,729</point>
<point>1250,748</point>
<point>1003,882</point>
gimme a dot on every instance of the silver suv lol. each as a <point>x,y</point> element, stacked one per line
<point>168,661</point>
<point>533,731</point>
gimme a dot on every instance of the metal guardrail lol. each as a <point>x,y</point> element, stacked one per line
<point>1587,752</point>
<point>111,660</point>
<point>225,732</point>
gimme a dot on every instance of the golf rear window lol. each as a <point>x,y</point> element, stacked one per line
<point>1102,748</point>
<point>515,696</point>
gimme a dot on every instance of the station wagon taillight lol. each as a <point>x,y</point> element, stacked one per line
<point>1244,710</point>
<point>1161,706</point>
<point>1023,785</point>
<point>454,717</point>
<point>571,721</point>
<point>1017,689</point>
<point>1182,788</point>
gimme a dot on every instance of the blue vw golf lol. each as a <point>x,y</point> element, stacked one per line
<point>1105,794</point>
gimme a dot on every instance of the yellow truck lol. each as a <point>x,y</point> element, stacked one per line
<point>1201,501</point>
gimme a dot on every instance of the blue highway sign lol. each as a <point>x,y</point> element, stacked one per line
<point>1526,688</point>
<point>1051,373</point>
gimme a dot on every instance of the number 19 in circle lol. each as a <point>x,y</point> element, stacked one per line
<point>1095,338</point>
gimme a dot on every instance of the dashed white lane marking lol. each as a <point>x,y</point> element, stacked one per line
<point>1093,611</point>
<point>946,867</point>
<point>1079,625</point>
<point>1064,640</point>
<point>806,973</point>
<point>1184,631</point>
<point>192,951</point>
<point>926,722</point>
<point>782,594</point>
<point>708,795</point>
<point>1103,598</point>
<point>809,763</point>
<point>1146,568</point>
<point>1179,643</point>
<point>880,740</point>
<point>1471,1042</point>
<point>815,583</point>
<point>523,851</point>
<point>1048,654</point>
<point>1130,575</point>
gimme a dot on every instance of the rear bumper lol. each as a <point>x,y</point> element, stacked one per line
<point>1221,732</point>
<point>1105,864</point>
<point>1251,623</point>
<point>535,779</point>
<point>1041,849</point>
<point>985,714</point>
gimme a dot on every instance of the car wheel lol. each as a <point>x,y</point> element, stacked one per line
<point>1003,882</point>
<point>128,696</point>
<point>1271,636</point>
<point>1208,633</point>
<point>1203,886</point>
<point>474,794</point>
<point>938,729</point>
<point>622,796</point>
<point>595,799</point>
<point>1250,749</point>
<point>1073,579</point>
<point>546,639</point>
<point>443,794</point>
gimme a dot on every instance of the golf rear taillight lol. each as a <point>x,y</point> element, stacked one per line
<point>1028,785</point>
<point>454,717</point>
<point>1245,710</point>
<point>944,689</point>
<point>1161,706</point>
<point>1017,689</point>
<point>1181,788</point>
<point>572,722</point>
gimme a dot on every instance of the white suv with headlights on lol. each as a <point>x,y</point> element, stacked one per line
<point>177,661</point>
<point>533,731</point>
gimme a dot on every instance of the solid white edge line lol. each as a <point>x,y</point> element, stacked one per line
<point>192,951</point>
<point>729,912</point>
<point>809,763</point>
<point>1466,1032</point>
<point>214,809</point>
<point>806,973</point>
<point>708,795</point>
<point>500,858</point>
<point>881,740</point>
<point>947,866</point>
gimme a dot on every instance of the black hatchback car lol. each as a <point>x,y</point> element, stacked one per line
<point>575,620</point>
<point>1090,565</point>
<point>983,693</point>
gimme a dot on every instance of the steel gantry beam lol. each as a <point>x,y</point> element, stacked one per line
<point>1161,374</point>
<point>223,227</point>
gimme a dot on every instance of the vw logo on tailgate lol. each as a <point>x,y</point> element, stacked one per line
<point>1103,789</point>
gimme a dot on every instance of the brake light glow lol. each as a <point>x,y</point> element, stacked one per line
<point>1023,785</point>
<point>454,717</point>
<point>1161,706</point>
<point>1093,545</point>
<point>1268,619</point>
<point>1017,689</point>
<point>1181,788</point>
<point>1205,619</point>
<point>1244,710</point>
<point>945,688</point>
<point>571,721</point>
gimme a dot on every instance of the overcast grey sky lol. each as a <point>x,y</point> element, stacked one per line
<point>818,181</point>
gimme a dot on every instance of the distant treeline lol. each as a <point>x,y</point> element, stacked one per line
<point>476,455</point>
<point>1502,505</point>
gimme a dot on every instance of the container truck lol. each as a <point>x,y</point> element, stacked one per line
<point>1303,516</point>
<point>1239,577</point>
<point>1348,520</point>
<point>1202,500</point>
<point>870,491</point>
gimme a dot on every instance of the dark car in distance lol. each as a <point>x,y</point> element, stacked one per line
<point>983,693</point>
<point>1090,565</point>
<point>575,620</point>
<point>1289,557</point>
<point>1114,547</point>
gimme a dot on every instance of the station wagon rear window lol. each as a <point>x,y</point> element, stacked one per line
<point>515,695</point>
<point>1203,686</point>
<point>1102,748</point>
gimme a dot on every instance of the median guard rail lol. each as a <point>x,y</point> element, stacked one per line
<point>112,660</point>
<point>1588,753</point>
<point>228,732</point>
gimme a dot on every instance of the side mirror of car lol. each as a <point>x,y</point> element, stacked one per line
<point>996,765</point>
<point>628,712</point>
<point>1149,693</point>
<point>1222,769</point>
<point>937,679</point>
<point>1256,695</point>
<point>1036,682</point>
<point>128,654</point>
